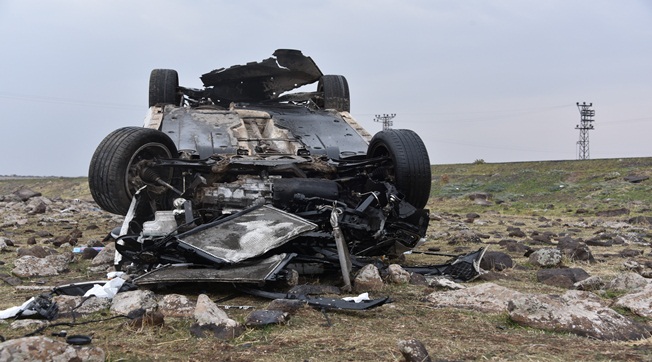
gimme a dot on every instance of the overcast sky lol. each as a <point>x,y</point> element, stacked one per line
<point>492,80</point>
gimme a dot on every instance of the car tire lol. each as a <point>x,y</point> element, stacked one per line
<point>163,87</point>
<point>335,91</point>
<point>113,177</point>
<point>410,168</point>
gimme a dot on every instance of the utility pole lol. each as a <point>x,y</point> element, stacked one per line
<point>586,119</point>
<point>386,119</point>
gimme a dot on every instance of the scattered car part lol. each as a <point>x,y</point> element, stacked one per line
<point>319,302</point>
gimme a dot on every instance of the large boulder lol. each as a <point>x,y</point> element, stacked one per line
<point>487,297</point>
<point>30,266</point>
<point>639,303</point>
<point>627,282</point>
<point>42,348</point>
<point>579,312</point>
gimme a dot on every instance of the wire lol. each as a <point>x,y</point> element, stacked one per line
<point>57,100</point>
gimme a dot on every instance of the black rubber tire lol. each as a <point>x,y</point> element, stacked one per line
<point>163,87</point>
<point>410,163</point>
<point>112,178</point>
<point>335,91</point>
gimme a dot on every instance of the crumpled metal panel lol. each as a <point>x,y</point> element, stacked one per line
<point>249,235</point>
<point>257,81</point>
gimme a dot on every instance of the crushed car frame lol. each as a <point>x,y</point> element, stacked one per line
<point>242,182</point>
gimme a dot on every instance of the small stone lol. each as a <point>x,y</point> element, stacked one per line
<point>127,302</point>
<point>397,275</point>
<point>546,257</point>
<point>261,318</point>
<point>368,279</point>
<point>176,305</point>
<point>413,351</point>
<point>496,260</point>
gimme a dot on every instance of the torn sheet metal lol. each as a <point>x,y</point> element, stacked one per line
<point>323,303</point>
<point>249,235</point>
<point>258,81</point>
<point>253,272</point>
<point>463,268</point>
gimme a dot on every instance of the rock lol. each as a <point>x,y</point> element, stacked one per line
<point>37,207</point>
<point>37,251</point>
<point>397,275</point>
<point>413,351</point>
<point>546,258</point>
<point>41,348</point>
<point>472,216</point>
<point>148,319</point>
<point>418,279</point>
<point>30,266</point>
<point>590,284</point>
<point>575,249</point>
<point>479,196</point>
<point>640,220</point>
<point>206,312</point>
<point>106,256</point>
<point>3,244</point>
<point>289,306</point>
<point>10,279</point>
<point>629,253</point>
<point>632,265</point>
<point>635,178</point>
<point>628,282</point>
<point>611,213</point>
<point>89,253</point>
<point>514,246</point>
<point>487,297</point>
<point>496,260</point>
<point>28,324</point>
<point>563,278</point>
<point>639,303</point>
<point>443,282</point>
<point>25,194</point>
<point>515,232</point>
<point>578,312</point>
<point>130,301</point>
<point>176,305</point>
<point>261,318</point>
<point>218,331</point>
<point>81,305</point>
<point>464,236</point>
<point>368,279</point>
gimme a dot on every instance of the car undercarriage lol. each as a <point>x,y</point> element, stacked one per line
<point>243,182</point>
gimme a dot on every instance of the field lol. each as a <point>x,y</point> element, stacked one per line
<point>562,197</point>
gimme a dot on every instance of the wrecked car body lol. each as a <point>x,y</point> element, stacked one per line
<point>242,182</point>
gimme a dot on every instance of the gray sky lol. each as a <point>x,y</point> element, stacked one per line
<point>493,80</point>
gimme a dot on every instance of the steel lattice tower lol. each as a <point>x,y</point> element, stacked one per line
<point>586,119</point>
<point>386,119</point>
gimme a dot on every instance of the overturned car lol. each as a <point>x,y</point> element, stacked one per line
<point>241,181</point>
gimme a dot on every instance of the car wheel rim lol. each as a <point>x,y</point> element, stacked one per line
<point>147,152</point>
